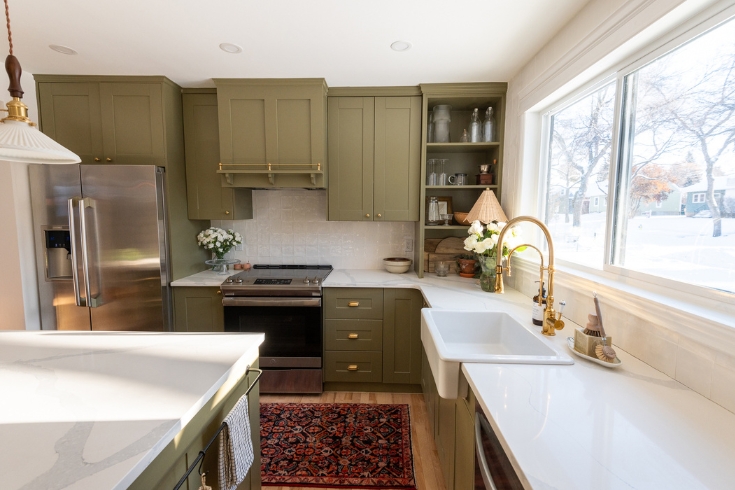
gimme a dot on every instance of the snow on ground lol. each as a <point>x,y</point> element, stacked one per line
<point>675,247</point>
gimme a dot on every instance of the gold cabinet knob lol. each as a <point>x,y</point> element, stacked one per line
<point>380,215</point>
<point>108,159</point>
<point>227,212</point>
<point>367,215</point>
<point>353,304</point>
<point>97,159</point>
<point>352,367</point>
<point>219,292</point>
<point>353,336</point>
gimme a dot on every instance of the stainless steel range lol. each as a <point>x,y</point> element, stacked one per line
<point>285,303</point>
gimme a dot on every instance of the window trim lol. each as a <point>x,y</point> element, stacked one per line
<point>674,38</point>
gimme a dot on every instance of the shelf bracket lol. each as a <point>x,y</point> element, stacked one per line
<point>230,179</point>
<point>272,178</point>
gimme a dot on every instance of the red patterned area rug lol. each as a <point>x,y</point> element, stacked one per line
<point>336,445</point>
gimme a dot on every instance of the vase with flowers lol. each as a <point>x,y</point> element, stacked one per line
<point>219,242</point>
<point>483,241</point>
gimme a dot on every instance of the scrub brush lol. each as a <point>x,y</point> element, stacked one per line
<point>593,326</point>
<point>603,352</point>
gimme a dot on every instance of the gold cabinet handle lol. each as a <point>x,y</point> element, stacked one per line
<point>379,215</point>
<point>353,336</point>
<point>108,159</point>
<point>367,215</point>
<point>353,304</point>
<point>352,367</point>
<point>97,159</point>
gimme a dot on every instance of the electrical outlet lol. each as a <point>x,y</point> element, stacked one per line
<point>239,247</point>
<point>407,244</point>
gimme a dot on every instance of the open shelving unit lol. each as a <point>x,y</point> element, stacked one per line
<point>463,157</point>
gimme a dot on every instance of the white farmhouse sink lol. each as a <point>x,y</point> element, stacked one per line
<point>451,337</point>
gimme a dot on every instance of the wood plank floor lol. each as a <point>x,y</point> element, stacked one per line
<point>425,457</point>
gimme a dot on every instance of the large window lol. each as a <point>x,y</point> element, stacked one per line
<point>673,185</point>
<point>580,141</point>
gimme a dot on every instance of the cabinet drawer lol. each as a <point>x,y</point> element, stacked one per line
<point>359,335</point>
<point>355,366</point>
<point>346,303</point>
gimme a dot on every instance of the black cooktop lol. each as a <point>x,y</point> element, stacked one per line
<point>291,267</point>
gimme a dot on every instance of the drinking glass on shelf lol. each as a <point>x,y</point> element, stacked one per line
<point>431,164</point>
<point>442,179</point>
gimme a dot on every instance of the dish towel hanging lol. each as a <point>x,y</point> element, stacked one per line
<point>235,446</point>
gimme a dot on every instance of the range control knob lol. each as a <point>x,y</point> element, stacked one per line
<point>229,280</point>
<point>316,281</point>
<point>306,280</point>
<point>239,280</point>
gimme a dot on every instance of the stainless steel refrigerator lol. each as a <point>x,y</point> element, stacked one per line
<point>101,247</point>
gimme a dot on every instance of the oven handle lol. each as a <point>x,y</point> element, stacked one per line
<point>480,425</point>
<point>276,301</point>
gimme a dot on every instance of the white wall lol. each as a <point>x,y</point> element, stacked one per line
<point>690,339</point>
<point>291,227</point>
<point>19,307</point>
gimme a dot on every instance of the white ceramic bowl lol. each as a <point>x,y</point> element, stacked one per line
<point>397,265</point>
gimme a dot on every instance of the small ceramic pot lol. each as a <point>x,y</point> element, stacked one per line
<point>466,267</point>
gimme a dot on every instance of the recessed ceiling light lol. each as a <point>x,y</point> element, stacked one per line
<point>230,48</point>
<point>62,49</point>
<point>400,46</point>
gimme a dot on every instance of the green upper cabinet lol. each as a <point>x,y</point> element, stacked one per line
<point>119,121</point>
<point>374,158</point>
<point>351,156</point>
<point>70,115</point>
<point>402,336</point>
<point>206,197</point>
<point>132,123</point>
<point>272,132</point>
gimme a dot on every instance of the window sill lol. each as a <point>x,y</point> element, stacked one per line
<point>705,320</point>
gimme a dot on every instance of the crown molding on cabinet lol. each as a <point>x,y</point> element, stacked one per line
<point>374,91</point>
<point>41,78</point>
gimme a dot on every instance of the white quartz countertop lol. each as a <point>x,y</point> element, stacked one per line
<point>583,426</point>
<point>204,279</point>
<point>91,410</point>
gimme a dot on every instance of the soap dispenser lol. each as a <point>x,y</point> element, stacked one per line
<point>537,315</point>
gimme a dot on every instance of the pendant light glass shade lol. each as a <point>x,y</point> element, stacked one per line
<point>21,142</point>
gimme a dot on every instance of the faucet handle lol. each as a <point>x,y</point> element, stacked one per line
<point>559,323</point>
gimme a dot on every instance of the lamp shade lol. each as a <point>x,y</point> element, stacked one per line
<point>21,142</point>
<point>487,209</point>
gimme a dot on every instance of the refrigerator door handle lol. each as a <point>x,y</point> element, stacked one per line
<point>85,203</point>
<point>78,300</point>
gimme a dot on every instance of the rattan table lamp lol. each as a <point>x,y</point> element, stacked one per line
<point>487,209</point>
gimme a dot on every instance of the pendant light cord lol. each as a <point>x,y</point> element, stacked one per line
<point>10,33</point>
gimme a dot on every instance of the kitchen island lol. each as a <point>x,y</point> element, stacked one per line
<point>581,426</point>
<point>115,410</point>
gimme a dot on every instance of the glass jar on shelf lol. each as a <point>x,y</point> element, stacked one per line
<point>431,177</point>
<point>432,212</point>
<point>488,130</point>
<point>475,126</point>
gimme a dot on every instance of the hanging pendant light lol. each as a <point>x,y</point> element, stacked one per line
<point>20,139</point>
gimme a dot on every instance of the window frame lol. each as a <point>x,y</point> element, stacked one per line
<point>617,181</point>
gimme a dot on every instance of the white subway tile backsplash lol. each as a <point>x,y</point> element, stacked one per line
<point>291,227</point>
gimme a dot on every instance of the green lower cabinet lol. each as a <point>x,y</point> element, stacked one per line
<point>402,336</point>
<point>198,310</point>
<point>445,441</point>
<point>464,447</point>
<point>353,366</point>
<point>352,335</point>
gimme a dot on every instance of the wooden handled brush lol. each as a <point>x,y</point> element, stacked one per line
<point>604,352</point>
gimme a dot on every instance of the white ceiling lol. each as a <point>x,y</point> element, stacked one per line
<point>345,41</point>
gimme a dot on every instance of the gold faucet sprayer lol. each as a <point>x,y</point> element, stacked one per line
<point>550,324</point>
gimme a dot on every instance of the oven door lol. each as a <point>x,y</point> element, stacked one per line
<point>292,328</point>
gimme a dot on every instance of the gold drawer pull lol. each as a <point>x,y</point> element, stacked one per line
<point>352,367</point>
<point>353,304</point>
<point>352,336</point>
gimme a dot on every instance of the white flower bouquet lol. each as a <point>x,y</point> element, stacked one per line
<point>218,241</point>
<point>483,240</point>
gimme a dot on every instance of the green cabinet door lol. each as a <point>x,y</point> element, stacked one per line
<point>464,450</point>
<point>281,122</point>
<point>351,151</point>
<point>132,123</point>
<point>206,198</point>
<point>198,310</point>
<point>445,439</point>
<point>70,115</point>
<point>397,158</point>
<point>402,336</point>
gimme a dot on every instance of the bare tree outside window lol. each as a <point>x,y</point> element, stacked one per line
<point>678,151</point>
